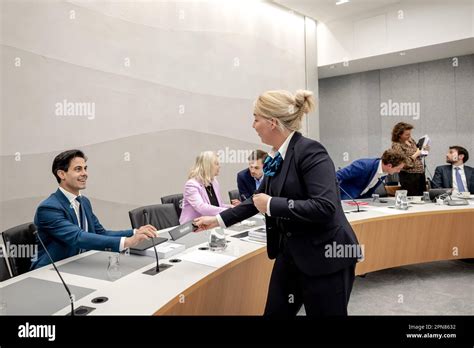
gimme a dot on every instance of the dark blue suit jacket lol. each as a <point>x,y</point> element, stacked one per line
<point>245,184</point>
<point>443,177</point>
<point>357,176</point>
<point>61,234</point>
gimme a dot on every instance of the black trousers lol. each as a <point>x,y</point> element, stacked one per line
<point>321,295</point>
<point>414,183</point>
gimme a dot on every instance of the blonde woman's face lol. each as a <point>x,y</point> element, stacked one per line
<point>215,167</point>
<point>263,127</point>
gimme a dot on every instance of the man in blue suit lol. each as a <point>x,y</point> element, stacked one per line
<point>249,180</point>
<point>66,222</point>
<point>361,178</point>
<point>455,174</point>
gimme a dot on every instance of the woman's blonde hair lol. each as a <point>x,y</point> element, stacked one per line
<point>286,108</point>
<point>202,169</point>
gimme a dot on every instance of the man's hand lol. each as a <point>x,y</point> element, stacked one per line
<point>260,201</point>
<point>205,223</point>
<point>235,202</point>
<point>134,240</point>
<point>147,230</point>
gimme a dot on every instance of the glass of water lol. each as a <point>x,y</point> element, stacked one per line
<point>113,269</point>
<point>401,199</point>
<point>217,239</point>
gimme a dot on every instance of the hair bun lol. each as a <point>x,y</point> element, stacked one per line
<point>304,100</point>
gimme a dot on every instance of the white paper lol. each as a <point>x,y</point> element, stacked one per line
<point>207,258</point>
<point>426,142</point>
<point>247,239</point>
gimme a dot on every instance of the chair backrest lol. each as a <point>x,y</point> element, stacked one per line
<point>4,272</point>
<point>392,179</point>
<point>176,200</point>
<point>159,215</point>
<point>234,194</point>
<point>24,242</point>
<point>381,191</point>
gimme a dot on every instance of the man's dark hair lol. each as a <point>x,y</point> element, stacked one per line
<point>257,155</point>
<point>62,161</point>
<point>393,157</point>
<point>461,151</point>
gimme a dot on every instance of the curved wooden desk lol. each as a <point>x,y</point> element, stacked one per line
<point>240,288</point>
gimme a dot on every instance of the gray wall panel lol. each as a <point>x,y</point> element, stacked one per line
<point>351,118</point>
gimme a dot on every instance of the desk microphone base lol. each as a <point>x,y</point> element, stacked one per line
<point>163,267</point>
<point>81,311</point>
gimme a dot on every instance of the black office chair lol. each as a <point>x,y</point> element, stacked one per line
<point>159,215</point>
<point>24,241</point>
<point>392,179</point>
<point>176,200</point>
<point>4,272</point>
<point>381,191</point>
<point>234,194</point>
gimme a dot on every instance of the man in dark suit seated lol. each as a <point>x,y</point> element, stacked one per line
<point>361,178</point>
<point>65,220</point>
<point>249,180</point>
<point>455,175</point>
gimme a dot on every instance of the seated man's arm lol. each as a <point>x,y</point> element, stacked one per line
<point>437,180</point>
<point>53,221</point>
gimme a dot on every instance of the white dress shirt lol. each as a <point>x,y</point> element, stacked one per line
<point>282,150</point>
<point>375,179</point>
<point>463,177</point>
<point>76,206</point>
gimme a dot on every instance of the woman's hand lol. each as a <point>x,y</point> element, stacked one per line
<point>235,202</point>
<point>416,154</point>
<point>260,201</point>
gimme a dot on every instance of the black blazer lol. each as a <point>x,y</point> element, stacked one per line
<point>443,177</point>
<point>245,184</point>
<point>306,208</point>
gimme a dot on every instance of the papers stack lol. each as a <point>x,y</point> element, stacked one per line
<point>258,235</point>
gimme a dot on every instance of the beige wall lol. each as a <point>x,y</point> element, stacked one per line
<point>166,80</point>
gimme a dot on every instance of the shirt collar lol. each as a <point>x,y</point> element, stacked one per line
<point>379,169</point>
<point>70,196</point>
<point>460,166</point>
<point>284,147</point>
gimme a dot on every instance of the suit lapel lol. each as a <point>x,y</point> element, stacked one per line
<point>280,179</point>
<point>450,175</point>
<point>469,172</point>
<point>66,205</point>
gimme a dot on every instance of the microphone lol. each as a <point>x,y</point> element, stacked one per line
<point>356,203</point>
<point>147,222</point>
<point>33,230</point>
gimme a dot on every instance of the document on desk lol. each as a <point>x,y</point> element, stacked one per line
<point>207,258</point>
<point>391,211</point>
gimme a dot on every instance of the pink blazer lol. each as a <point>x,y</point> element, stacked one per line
<point>196,201</point>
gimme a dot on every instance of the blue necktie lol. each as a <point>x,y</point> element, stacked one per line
<point>82,214</point>
<point>272,165</point>
<point>82,218</point>
<point>459,179</point>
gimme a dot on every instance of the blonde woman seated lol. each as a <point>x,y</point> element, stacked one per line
<point>202,191</point>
